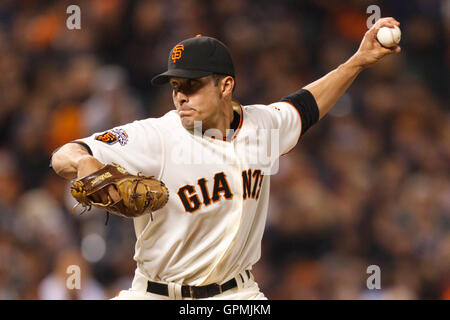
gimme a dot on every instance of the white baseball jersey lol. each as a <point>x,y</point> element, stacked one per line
<point>212,226</point>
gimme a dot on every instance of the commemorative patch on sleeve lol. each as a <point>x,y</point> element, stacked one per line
<point>113,136</point>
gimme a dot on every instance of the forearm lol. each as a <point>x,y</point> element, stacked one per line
<point>328,89</point>
<point>67,159</point>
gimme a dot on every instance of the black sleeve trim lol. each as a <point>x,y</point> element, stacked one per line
<point>306,105</point>
<point>88,149</point>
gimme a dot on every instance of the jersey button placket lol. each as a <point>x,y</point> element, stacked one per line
<point>237,181</point>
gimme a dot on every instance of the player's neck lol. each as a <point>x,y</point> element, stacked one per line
<point>223,120</point>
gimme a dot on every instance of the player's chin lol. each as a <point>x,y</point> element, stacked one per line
<point>188,122</point>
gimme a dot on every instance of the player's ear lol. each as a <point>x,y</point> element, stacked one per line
<point>227,85</point>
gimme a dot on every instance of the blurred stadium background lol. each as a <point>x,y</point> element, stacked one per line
<point>368,185</point>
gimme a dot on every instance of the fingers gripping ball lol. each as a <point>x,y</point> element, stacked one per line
<point>389,37</point>
<point>139,194</point>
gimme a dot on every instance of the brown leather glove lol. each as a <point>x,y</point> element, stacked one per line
<point>139,194</point>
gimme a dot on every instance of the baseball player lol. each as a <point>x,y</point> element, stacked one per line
<point>203,243</point>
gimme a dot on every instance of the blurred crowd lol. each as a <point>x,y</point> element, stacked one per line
<point>368,185</point>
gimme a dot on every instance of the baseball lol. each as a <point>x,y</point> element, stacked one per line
<point>389,37</point>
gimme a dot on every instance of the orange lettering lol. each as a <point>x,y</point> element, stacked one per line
<point>176,54</point>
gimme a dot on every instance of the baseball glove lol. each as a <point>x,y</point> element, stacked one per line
<point>139,194</point>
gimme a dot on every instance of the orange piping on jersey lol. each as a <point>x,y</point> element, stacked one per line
<point>240,122</point>
<point>300,127</point>
<point>224,139</point>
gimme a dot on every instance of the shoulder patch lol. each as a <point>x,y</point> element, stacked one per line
<point>113,136</point>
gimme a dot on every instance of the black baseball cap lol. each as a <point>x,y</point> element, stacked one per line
<point>195,58</point>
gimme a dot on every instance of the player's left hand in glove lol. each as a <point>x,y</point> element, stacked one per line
<point>134,195</point>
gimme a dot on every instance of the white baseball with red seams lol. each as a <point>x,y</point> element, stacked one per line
<point>389,37</point>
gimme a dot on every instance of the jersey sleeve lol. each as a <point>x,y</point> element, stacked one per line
<point>136,146</point>
<point>297,112</point>
<point>286,120</point>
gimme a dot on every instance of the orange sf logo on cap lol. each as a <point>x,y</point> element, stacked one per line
<point>176,54</point>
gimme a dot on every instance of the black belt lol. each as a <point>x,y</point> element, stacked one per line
<point>200,292</point>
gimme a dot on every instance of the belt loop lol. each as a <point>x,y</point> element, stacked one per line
<point>174,290</point>
<point>170,290</point>
<point>239,281</point>
<point>244,277</point>
<point>177,291</point>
